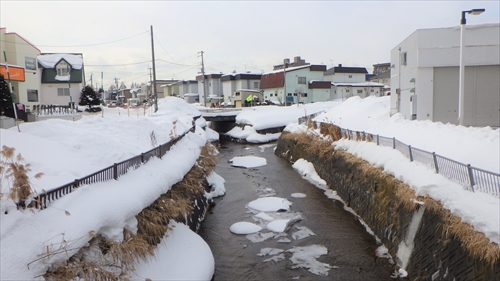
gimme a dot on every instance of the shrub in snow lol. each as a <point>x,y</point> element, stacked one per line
<point>14,173</point>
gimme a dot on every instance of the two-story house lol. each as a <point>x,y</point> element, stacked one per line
<point>62,77</point>
<point>22,62</point>
<point>294,84</point>
<point>238,82</point>
<point>209,87</point>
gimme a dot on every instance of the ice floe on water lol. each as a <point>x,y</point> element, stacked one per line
<point>244,228</point>
<point>298,195</point>
<point>248,161</point>
<point>269,252</point>
<point>306,257</point>
<point>261,236</point>
<point>277,225</point>
<point>264,216</point>
<point>270,204</point>
<point>276,258</point>
<point>265,192</point>
<point>302,233</point>
<point>263,147</point>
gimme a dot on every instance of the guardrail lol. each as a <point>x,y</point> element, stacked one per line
<point>471,178</point>
<point>110,173</point>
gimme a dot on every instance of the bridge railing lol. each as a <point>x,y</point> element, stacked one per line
<point>471,178</point>
<point>112,172</point>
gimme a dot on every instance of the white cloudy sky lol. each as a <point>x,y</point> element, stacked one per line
<point>235,35</point>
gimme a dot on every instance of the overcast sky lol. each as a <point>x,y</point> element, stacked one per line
<point>114,36</point>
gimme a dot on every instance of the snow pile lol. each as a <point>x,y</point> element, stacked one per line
<point>248,161</point>
<point>270,204</point>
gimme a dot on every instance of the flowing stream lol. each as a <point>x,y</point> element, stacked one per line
<point>325,243</point>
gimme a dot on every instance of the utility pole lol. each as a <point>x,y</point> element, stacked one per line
<point>284,82</point>
<point>154,70</point>
<point>150,79</point>
<point>203,73</point>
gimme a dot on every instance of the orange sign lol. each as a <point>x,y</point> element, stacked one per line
<point>16,73</point>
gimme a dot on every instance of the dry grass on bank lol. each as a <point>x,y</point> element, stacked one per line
<point>475,243</point>
<point>104,259</point>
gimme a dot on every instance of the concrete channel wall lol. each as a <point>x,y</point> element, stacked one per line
<point>422,236</point>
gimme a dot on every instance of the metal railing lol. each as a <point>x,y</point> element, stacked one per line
<point>471,178</point>
<point>110,173</point>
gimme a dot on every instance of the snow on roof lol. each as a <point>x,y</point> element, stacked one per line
<point>288,69</point>
<point>50,61</point>
<point>362,84</point>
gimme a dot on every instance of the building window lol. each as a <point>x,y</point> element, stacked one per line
<point>347,90</point>
<point>371,90</point>
<point>360,91</point>
<point>294,94</point>
<point>350,76</point>
<point>63,91</point>
<point>304,95</point>
<point>301,80</point>
<point>32,95</point>
<point>270,95</point>
<point>404,58</point>
<point>63,69</point>
<point>256,85</point>
<point>289,94</point>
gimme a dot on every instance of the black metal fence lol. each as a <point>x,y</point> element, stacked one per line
<point>473,179</point>
<point>110,173</point>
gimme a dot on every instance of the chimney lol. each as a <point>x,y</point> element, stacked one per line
<point>340,65</point>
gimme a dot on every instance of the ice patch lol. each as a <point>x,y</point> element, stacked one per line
<point>270,204</point>
<point>284,240</point>
<point>266,192</point>
<point>302,233</point>
<point>277,258</point>
<point>305,257</point>
<point>244,228</point>
<point>260,237</point>
<point>264,216</point>
<point>277,225</point>
<point>269,252</point>
<point>248,161</point>
<point>298,195</point>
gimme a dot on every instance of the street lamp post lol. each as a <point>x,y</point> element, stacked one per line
<point>462,68</point>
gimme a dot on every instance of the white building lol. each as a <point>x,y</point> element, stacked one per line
<point>346,74</point>
<point>62,78</point>
<point>211,86</point>
<point>344,91</point>
<point>22,60</point>
<point>180,88</point>
<point>298,82</point>
<point>425,75</point>
<point>238,81</point>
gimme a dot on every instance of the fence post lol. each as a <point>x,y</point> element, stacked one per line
<point>160,151</point>
<point>411,153</point>
<point>142,157</point>
<point>435,162</point>
<point>115,171</point>
<point>471,177</point>
<point>378,141</point>
<point>393,143</point>
<point>76,183</point>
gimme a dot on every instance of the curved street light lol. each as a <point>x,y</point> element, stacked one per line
<point>461,68</point>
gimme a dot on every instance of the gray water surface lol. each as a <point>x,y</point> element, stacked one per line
<point>351,250</point>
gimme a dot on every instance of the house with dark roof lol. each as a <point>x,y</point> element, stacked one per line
<point>239,82</point>
<point>299,83</point>
<point>62,77</point>
<point>209,86</point>
<point>343,74</point>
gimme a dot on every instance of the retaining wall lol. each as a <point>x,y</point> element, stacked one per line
<point>418,232</point>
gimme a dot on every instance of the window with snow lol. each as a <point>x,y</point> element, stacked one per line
<point>63,69</point>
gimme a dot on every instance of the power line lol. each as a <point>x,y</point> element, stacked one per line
<point>179,64</point>
<point>96,44</point>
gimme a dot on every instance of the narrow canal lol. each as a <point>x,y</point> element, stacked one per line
<point>328,243</point>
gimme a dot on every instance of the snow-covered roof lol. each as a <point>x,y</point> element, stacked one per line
<point>50,61</point>
<point>361,84</point>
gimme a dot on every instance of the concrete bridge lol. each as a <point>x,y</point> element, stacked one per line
<point>221,120</point>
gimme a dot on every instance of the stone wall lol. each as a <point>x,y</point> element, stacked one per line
<point>418,232</point>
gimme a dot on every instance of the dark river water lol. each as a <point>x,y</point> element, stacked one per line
<point>350,249</point>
